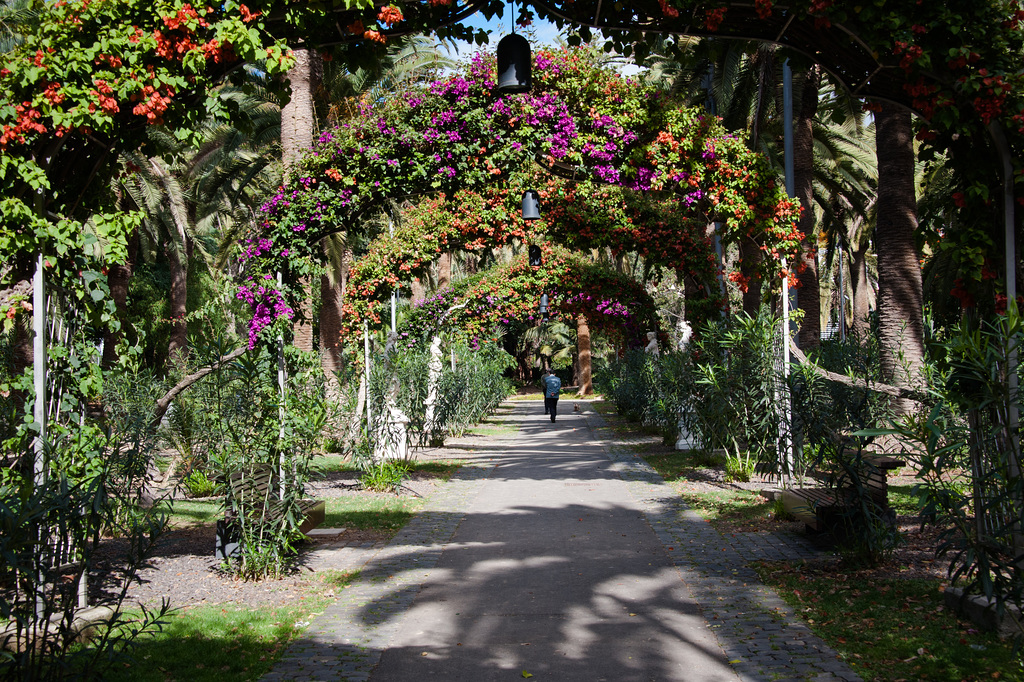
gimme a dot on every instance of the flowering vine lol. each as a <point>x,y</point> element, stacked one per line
<point>654,175</point>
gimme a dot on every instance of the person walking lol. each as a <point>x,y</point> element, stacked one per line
<point>552,386</point>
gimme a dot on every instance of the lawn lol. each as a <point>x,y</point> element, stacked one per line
<point>891,629</point>
<point>226,643</point>
<point>382,513</point>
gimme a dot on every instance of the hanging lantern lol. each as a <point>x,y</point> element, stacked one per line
<point>531,205</point>
<point>535,258</point>
<point>543,310</point>
<point>514,64</point>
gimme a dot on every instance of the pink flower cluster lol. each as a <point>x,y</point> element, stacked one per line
<point>267,305</point>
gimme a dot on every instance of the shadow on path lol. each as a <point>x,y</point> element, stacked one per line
<point>568,560</point>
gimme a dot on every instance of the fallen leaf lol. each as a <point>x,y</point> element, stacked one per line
<point>526,674</point>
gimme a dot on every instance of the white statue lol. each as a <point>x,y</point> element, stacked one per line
<point>393,434</point>
<point>652,343</point>
<point>684,332</point>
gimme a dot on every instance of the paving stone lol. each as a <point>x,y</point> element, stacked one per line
<point>759,635</point>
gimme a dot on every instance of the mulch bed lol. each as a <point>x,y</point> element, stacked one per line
<point>184,571</point>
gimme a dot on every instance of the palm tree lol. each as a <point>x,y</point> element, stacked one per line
<point>202,199</point>
<point>15,16</point>
<point>900,298</point>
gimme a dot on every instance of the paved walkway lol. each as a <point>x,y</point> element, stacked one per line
<point>560,555</point>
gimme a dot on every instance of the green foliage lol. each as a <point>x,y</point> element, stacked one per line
<point>385,476</point>
<point>50,529</point>
<point>969,430</point>
<point>198,484</point>
<point>739,467</point>
<point>463,397</point>
<point>233,422</point>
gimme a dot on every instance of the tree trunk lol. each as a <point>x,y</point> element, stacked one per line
<point>750,261</point>
<point>584,381</point>
<point>418,291</point>
<point>118,278</point>
<point>297,122</point>
<point>177,347</point>
<point>900,298</point>
<point>444,270</point>
<point>859,324</point>
<point>808,296</point>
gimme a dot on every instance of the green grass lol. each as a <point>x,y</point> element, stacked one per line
<point>492,429</point>
<point>382,514</point>
<point>680,464</point>
<point>903,500</point>
<point>891,629</point>
<point>192,512</point>
<point>442,469</point>
<point>538,396</point>
<point>226,643</point>
<point>729,506</point>
<point>332,462</point>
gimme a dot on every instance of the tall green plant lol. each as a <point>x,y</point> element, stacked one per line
<point>967,450</point>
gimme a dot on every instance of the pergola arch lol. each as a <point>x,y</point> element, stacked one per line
<point>461,136</point>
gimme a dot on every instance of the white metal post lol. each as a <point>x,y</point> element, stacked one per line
<point>281,384</point>
<point>366,370</point>
<point>842,296</point>
<point>787,419</point>
<point>39,407</point>
<point>39,368</point>
<point>394,294</point>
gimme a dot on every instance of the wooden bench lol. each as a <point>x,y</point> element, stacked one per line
<point>258,490</point>
<point>824,508</point>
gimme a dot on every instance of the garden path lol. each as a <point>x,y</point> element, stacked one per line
<point>561,556</point>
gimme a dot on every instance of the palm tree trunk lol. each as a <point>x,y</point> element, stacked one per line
<point>332,295</point>
<point>583,379</point>
<point>859,324</point>
<point>900,298</point>
<point>118,278</point>
<point>297,121</point>
<point>444,270</point>
<point>177,347</point>
<point>809,295</point>
<point>418,291</point>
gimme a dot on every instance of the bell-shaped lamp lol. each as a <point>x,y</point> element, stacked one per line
<point>531,205</point>
<point>535,256</point>
<point>543,310</point>
<point>514,64</point>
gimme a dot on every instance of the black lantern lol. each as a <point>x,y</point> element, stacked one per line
<point>543,310</point>
<point>514,64</point>
<point>531,205</point>
<point>534,252</point>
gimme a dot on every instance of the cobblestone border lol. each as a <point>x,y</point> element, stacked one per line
<point>762,637</point>
<point>348,639</point>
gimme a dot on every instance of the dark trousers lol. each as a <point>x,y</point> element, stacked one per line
<point>551,407</point>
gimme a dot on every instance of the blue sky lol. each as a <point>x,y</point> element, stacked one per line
<point>540,33</point>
